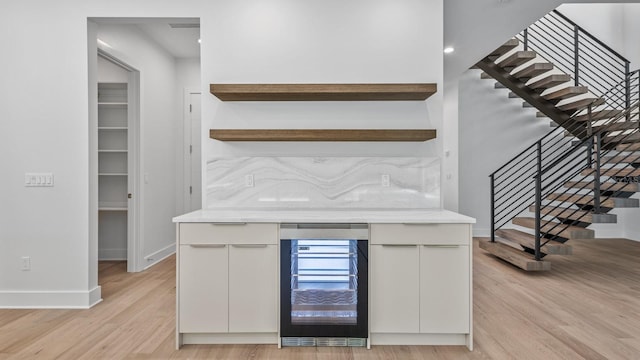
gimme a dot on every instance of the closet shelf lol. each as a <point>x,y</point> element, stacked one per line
<point>415,135</point>
<point>322,92</point>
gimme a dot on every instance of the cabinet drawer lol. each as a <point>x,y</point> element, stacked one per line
<point>228,233</point>
<point>427,234</point>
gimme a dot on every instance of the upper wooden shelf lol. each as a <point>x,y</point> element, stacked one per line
<point>322,92</point>
<point>416,135</point>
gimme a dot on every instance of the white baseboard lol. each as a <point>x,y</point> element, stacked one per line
<point>481,232</point>
<point>159,255</point>
<point>50,299</point>
<point>112,254</point>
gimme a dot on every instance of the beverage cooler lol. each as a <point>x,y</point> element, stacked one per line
<point>324,284</point>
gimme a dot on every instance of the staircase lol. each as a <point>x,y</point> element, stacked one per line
<point>587,166</point>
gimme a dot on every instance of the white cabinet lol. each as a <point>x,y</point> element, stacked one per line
<point>203,288</point>
<point>227,283</point>
<point>253,288</point>
<point>444,289</point>
<point>395,294</point>
<point>421,284</point>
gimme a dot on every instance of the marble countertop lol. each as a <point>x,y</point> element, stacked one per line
<point>414,216</point>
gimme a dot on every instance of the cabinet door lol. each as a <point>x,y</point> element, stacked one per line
<point>395,289</point>
<point>203,302</point>
<point>253,286</point>
<point>444,289</point>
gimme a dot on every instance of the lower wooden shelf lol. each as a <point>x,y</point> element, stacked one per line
<point>415,135</point>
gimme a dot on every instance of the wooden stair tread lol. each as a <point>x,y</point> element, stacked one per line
<point>612,172</point>
<point>617,126</point>
<point>575,214</point>
<point>566,93</point>
<point>533,70</point>
<point>599,115</point>
<point>550,81</point>
<point>582,103</point>
<point>605,186</point>
<point>623,138</point>
<point>521,259</point>
<point>625,159</point>
<point>499,85</point>
<point>555,228</point>
<point>517,58</point>
<point>628,147</point>
<point>540,114</point>
<point>528,240</point>
<point>580,199</point>
<point>505,48</point>
<point>513,95</point>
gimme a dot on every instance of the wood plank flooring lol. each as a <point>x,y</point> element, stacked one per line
<point>586,307</point>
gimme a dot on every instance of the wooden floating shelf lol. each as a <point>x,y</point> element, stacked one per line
<point>322,92</point>
<point>415,135</point>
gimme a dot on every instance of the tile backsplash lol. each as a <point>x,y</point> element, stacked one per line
<point>323,182</point>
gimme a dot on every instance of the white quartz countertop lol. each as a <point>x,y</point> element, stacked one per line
<point>415,216</point>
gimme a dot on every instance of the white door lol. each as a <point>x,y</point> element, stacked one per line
<point>193,165</point>
<point>204,287</point>
<point>253,269</point>
<point>444,300</point>
<point>395,294</point>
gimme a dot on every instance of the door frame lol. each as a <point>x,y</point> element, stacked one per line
<point>134,231</point>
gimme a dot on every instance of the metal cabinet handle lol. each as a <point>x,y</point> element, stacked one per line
<point>399,245</point>
<point>228,223</point>
<point>442,246</point>
<point>207,245</point>
<point>249,245</point>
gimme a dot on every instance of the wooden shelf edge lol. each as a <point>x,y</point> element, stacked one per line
<point>414,135</point>
<point>323,92</point>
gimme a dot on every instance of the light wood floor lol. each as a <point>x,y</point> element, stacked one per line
<point>587,307</point>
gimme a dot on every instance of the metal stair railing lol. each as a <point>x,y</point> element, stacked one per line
<point>576,52</point>
<point>544,167</point>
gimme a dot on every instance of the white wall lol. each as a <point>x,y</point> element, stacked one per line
<point>492,130</point>
<point>249,41</point>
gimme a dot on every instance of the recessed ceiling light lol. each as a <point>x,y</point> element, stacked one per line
<point>448,50</point>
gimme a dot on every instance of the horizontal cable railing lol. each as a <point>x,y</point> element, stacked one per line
<point>576,52</point>
<point>537,176</point>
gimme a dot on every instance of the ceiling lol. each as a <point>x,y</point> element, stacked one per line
<point>178,36</point>
<point>180,40</point>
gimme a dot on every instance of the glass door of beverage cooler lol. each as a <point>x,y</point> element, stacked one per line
<point>324,287</point>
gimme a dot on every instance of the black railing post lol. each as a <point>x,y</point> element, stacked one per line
<point>576,56</point>
<point>627,88</point>
<point>525,35</point>
<point>590,135</point>
<point>538,199</point>
<point>596,181</point>
<point>493,208</point>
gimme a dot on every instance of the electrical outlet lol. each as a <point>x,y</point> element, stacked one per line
<point>25,263</point>
<point>385,180</point>
<point>248,180</point>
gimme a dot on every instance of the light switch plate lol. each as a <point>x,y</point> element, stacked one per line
<point>38,179</point>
